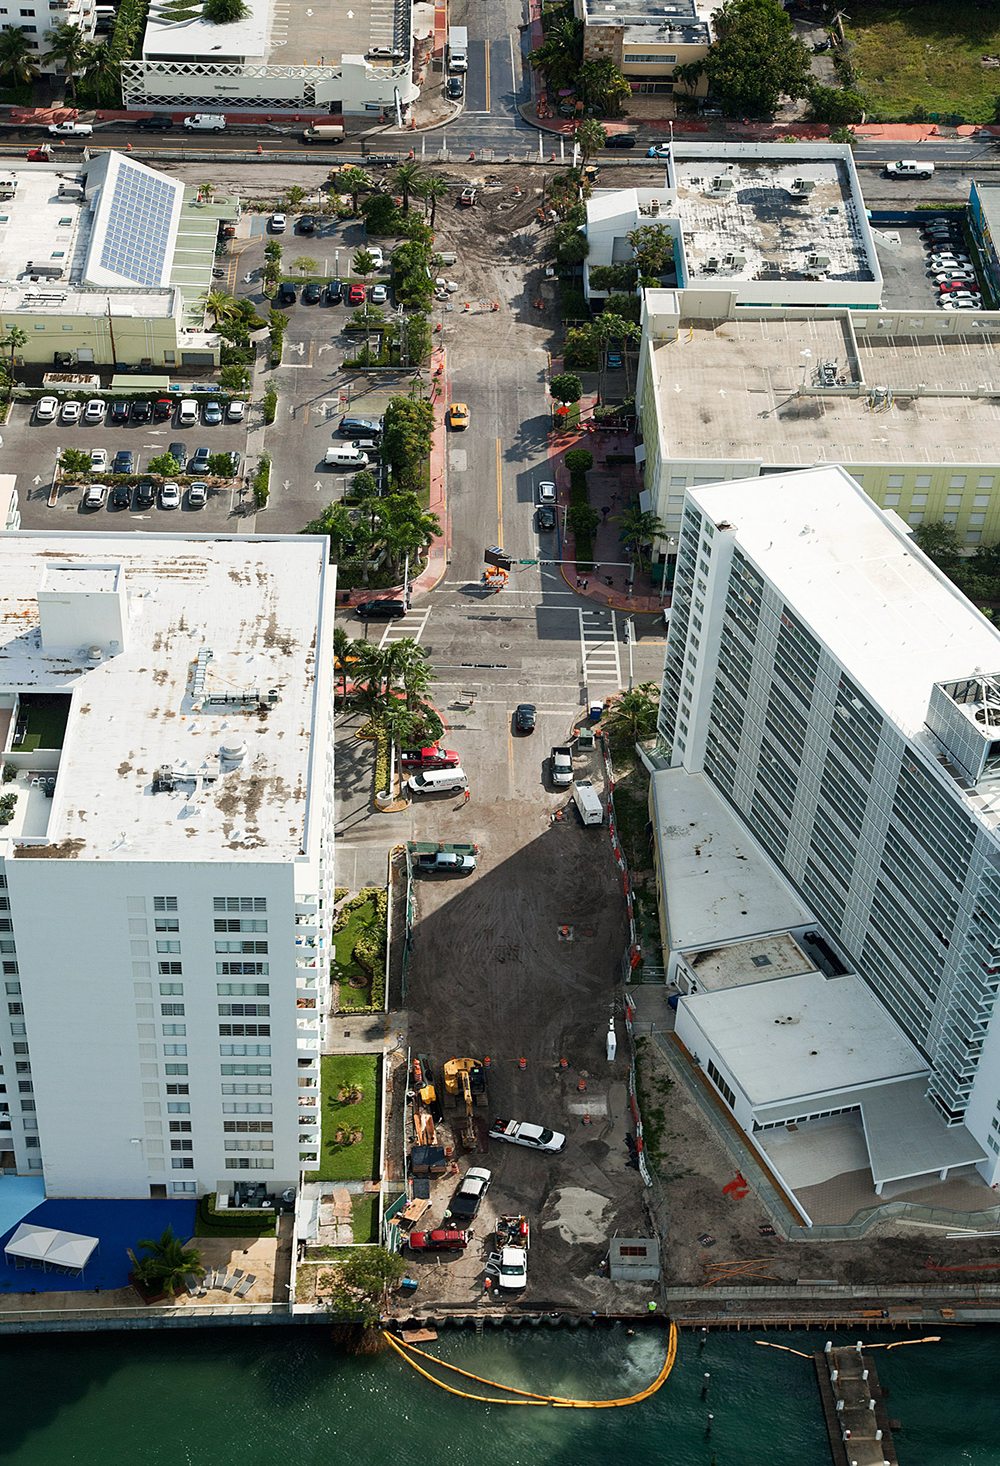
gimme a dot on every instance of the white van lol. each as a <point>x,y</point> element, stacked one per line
<point>187,413</point>
<point>588,803</point>
<point>324,132</point>
<point>438,781</point>
<point>205,122</point>
<point>345,456</point>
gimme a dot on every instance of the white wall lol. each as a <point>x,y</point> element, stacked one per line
<point>984,1103</point>
<point>691,1035</point>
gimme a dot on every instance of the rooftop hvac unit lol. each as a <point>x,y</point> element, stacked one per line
<point>712,265</point>
<point>720,185</point>
<point>801,188</point>
<point>734,261</point>
<point>817,262</point>
<point>163,780</point>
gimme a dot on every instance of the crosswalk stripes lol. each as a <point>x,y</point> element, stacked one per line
<point>602,672</point>
<point>409,626</point>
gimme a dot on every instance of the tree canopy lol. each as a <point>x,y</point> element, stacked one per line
<point>755,60</point>
<point>360,1285</point>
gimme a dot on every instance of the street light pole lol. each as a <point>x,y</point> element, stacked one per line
<point>406,581</point>
<point>629,639</point>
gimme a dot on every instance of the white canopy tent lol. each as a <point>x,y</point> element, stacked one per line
<point>43,1247</point>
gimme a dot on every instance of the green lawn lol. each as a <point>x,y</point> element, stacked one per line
<point>341,1162</point>
<point>232,1223</point>
<point>927,54</point>
<point>365,1218</point>
<point>345,967</point>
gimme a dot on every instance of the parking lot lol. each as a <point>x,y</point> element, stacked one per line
<point>36,447</point>
<point>905,261</point>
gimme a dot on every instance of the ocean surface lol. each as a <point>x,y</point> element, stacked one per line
<point>256,1397</point>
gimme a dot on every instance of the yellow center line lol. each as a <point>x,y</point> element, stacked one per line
<point>499,498</point>
<point>486,47</point>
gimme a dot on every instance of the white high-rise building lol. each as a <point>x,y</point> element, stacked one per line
<point>166,859</point>
<point>844,698</point>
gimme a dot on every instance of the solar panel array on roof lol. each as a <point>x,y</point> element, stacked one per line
<point>138,226</point>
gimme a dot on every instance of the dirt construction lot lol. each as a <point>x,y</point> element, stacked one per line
<point>490,975</point>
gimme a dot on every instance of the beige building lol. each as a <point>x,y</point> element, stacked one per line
<point>647,41</point>
<point>906,401</point>
<point>108,262</point>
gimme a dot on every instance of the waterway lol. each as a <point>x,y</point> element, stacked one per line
<point>260,1397</point>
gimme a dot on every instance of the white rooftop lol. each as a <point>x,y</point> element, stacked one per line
<point>177,32</point>
<point>189,654</point>
<point>802,1036</point>
<point>717,883</point>
<point>135,215</point>
<point>852,574</point>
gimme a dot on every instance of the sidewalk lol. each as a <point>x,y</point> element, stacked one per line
<point>437,557</point>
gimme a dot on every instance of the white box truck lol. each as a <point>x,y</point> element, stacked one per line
<point>458,48</point>
<point>588,803</point>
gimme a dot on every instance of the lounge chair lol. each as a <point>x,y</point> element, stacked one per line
<point>230,1283</point>
<point>192,1285</point>
<point>244,1288</point>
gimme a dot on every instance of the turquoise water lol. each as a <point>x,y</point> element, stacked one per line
<point>250,1397</point>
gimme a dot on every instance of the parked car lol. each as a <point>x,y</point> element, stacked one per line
<point>964,297</point>
<point>380,294</point>
<point>98,460</point>
<point>621,140</point>
<point>951,304</point>
<point>306,225</point>
<point>442,1239</point>
<point>458,416</point>
<point>71,129</point>
<point>378,258</point>
<point>170,495</point>
<point>945,258</point>
<point>211,413</point>
<point>455,88</point>
<point>909,168</point>
<point>658,150</point>
<point>381,610</point>
<point>535,1137</point>
<point>546,519</point>
<point>469,1196</point>
<point>145,493</point>
<point>94,496</point>
<point>286,293</point>
<point>178,452</point>
<point>197,495</point>
<point>356,295</point>
<point>333,294</point>
<point>234,462</point>
<point>444,862</point>
<point>187,413</point>
<point>431,757</point>
<point>120,413</point>
<point>142,412</point>
<point>956,282</point>
<point>359,427</point>
<point>945,276</point>
<point>121,496</point>
<point>46,409</point>
<point>312,293</point>
<point>163,409</point>
<point>71,411</point>
<point>278,223</point>
<point>123,461</point>
<point>156,123</point>
<point>524,717</point>
<point>546,492</point>
<point>236,411</point>
<point>199,460</point>
<point>94,411</point>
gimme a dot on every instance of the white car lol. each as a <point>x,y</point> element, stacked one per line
<point>380,295</point>
<point>71,411</point>
<point>377,256</point>
<point>236,411</point>
<point>98,460</point>
<point>961,305</point>
<point>170,496</point>
<point>943,276</point>
<point>535,1137</point>
<point>95,410</point>
<point>971,295</point>
<point>46,409</point>
<point>942,261</point>
<point>279,223</point>
<point>546,492</point>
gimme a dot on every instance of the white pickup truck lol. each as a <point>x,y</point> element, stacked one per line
<point>70,129</point>
<point>509,1266</point>
<point>519,1132</point>
<point>561,764</point>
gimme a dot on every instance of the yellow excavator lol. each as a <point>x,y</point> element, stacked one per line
<point>466,1078</point>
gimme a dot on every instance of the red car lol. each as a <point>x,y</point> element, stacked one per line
<point>356,295</point>
<point>445,1239</point>
<point>946,286</point>
<point>429,758</point>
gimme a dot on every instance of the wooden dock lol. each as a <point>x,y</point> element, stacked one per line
<point>857,1422</point>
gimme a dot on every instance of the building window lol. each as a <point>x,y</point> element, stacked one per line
<point>244,1010</point>
<point>728,1094</point>
<point>234,1070</point>
<point>239,903</point>
<point>977,519</point>
<point>178,1089</point>
<point>180,1127</point>
<point>895,481</point>
<point>172,1010</point>
<point>922,481</point>
<point>957,482</point>
<point>914,519</point>
<point>981,501</point>
<point>182,1144</point>
<point>164,903</point>
<point>178,1107</point>
<point>175,1069</point>
<point>655,88</point>
<point>182,1163</point>
<point>891,501</point>
<point>176,1050</point>
<point>171,989</point>
<point>985,482</point>
<point>184,1188</point>
<point>919,501</point>
<point>973,537</point>
<point>169,969</point>
<point>244,1030</point>
<point>667,58</point>
<point>236,969</point>
<point>243,989</point>
<point>167,924</point>
<point>953,501</point>
<point>168,946</point>
<point>175,1030</point>
<point>239,924</point>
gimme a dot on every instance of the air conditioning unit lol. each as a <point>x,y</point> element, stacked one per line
<point>734,262</point>
<point>801,188</point>
<point>817,262</point>
<point>712,265</point>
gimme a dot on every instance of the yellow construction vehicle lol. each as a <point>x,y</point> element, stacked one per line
<point>466,1078</point>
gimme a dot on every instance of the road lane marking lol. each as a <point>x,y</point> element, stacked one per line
<point>499,498</point>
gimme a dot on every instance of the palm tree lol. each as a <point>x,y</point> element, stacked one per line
<point>405,178</point>
<point>632,717</point>
<point>561,52</point>
<point>407,663</point>
<point>351,180</point>
<point>590,138</point>
<point>70,49</point>
<point>431,188</point>
<point>370,668</point>
<point>167,1263</point>
<point>222,307</point>
<point>15,338</point>
<point>397,721</point>
<point>100,71</point>
<point>343,649</point>
<point>17,65</point>
<point>294,195</point>
<point>638,528</point>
